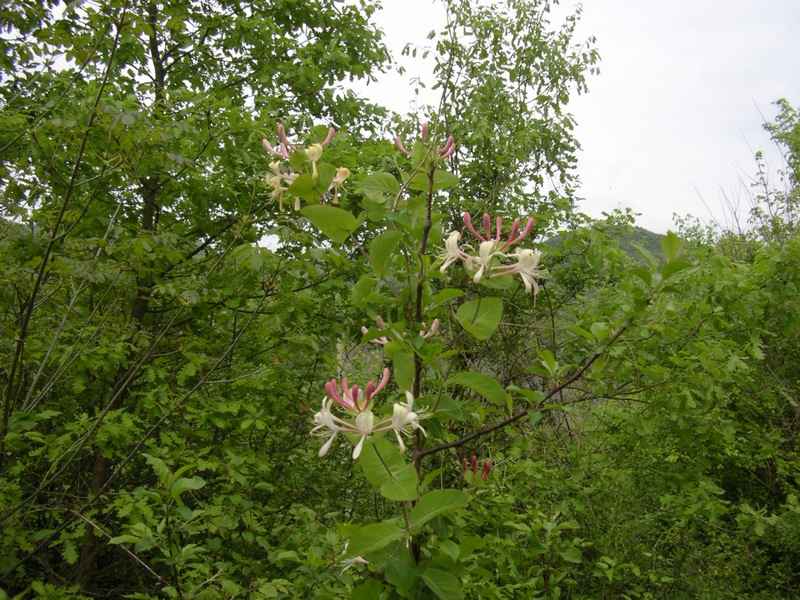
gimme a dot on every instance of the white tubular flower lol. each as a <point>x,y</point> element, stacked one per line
<point>365,422</point>
<point>383,340</point>
<point>452,253</point>
<point>329,425</point>
<point>431,332</point>
<point>276,183</point>
<point>314,153</point>
<point>279,181</point>
<point>349,562</point>
<point>342,173</point>
<point>405,420</point>
<point>487,251</point>
<point>527,267</point>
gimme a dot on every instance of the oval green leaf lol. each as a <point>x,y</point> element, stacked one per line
<point>481,316</point>
<point>335,223</point>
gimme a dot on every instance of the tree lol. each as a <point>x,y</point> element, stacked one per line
<point>132,207</point>
<point>506,75</point>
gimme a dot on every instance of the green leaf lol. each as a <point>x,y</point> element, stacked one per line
<point>286,556</point>
<point>380,187</point>
<point>335,223</point>
<point>435,503</point>
<point>548,360</point>
<point>648,256</point>
<point>402,364</point>
<point>304,187</point>
<point>430,476</point>
<point>643,274</point>
<point>69,552</point>
<point>185,484</point>
<point>124,539</point>
<point>403,576</point>
<point>468,546</point>
<point>368,590</point>
<point>446,295</point>
<point>600,331</point>
<point>362,289</point>
<point>671,246</point>
<point>419,182</point>
<point>385,468</point>
<point>298,161</point>
<point>443,584</point>
<point>480,316</point>
<point>370,538</point>
<point>672,267</point>
<point>159,466</point>
<point>486,386</point>
<point>535,397</point>
<point>325,174</point>
<point>443,180</point>
<point>581,332</point>
<point>380,250</point>
<point>448,407</point>
<point>402,486</point>
<point>572,555</point>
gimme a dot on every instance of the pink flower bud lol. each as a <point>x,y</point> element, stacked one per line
<point>399,143</point>
<point>282,136</point>
<point>327,140</point>
<point>487,225</point>
<point>448,149</point>
<point>513,238</point>
<point>486,468</point>
<point>268,147</point>
<point>464,463</point>
<point>474,460</point>
<point>471,228</point>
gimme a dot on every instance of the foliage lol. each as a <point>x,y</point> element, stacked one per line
<point>506,74</point>
<point>140,312</point>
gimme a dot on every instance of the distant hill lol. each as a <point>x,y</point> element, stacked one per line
<point>645,238</point>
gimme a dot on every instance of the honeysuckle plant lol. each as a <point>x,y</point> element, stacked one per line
<point>357,404</point>
<point>487,260</point>
<point>397,223</point>
<point>469,469</point>
<point>291,178</point>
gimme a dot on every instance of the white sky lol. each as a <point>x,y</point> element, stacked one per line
<point>671,122</point>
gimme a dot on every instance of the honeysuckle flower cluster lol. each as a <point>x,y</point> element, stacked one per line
<point>471,469</point>
<point>359,418</point>
<point>285,148</point>
<point>348,563</point>
<point>383,340</point>
<point>486,261</point>
<point>442,152</point>
<point>279,181</point>
<point>281,176</point>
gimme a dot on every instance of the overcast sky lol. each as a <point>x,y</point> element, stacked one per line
<point>671,122</point>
